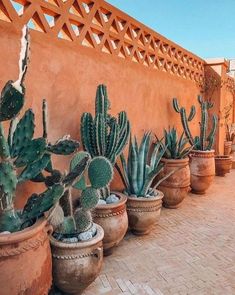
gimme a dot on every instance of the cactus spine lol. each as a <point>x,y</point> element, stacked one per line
<point>202,142</point>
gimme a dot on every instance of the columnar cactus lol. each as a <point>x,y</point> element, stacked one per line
<point>205,141</point>
<point>104,135</point>
<point>75,222</point>
<point>23,157</point>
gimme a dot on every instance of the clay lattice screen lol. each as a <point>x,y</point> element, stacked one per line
<point>101,26</point>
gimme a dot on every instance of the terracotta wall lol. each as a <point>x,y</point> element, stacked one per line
<point>142,69</point>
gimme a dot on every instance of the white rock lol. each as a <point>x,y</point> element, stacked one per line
<point>85,236</point>
<point>112,199</point>
<point>5,232</point>
<point>93,230</point>
<point>101,202</point>
<point>133,196</point>
<point>69,240</point>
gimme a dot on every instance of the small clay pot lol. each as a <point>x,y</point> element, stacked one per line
<point>202,169</point>
<point>25,261</point>
<point>223,165</point>
<point>175,188</point>
<point>113,219</point>
<point>227,148</point>
<point>76,265</point>
<point>144,213</point>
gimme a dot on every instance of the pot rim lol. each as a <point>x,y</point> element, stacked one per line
<point>222,157</point>
<point>24,234</point>
<point>175,161</point>
<point>143,199</point>
<point>122,201</point>
<point>202,152</point>
<point>81,244</point>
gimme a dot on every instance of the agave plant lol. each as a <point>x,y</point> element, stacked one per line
<point>175,148</point>
<point>230,135</point>
<point>142,166</point>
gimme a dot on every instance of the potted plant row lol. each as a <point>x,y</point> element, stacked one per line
<point>202,161</point>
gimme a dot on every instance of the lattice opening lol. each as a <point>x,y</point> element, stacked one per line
<point>97,19</point>
<point>97,35</point>
<point>128,35</point>
<point>151,45</point>
<point>3,13</point>
<point>141,40</point>
<point>50,17</point>
<point>122,53</point>
<point>114,43</point>
<point>76,27</point>
<point>35,23</point>
<point>87,5</point>
<point>135,31</point>
<point>164,47</point>
<point>157,43</point>
<point>105,15</point>
<point>151,58</point>
<point>135,57</point>
<point>19,6</point>
<point>146,61</point>
<point>87,41</point>
<point>76,10</point>
<point>114,27</point>
<point>147,38</point>
<point>129,49</point>
<point>106,48</point>
<point>64,33</point>
<point>121,24</point>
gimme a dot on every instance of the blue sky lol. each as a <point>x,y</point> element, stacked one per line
<point>205,27</point>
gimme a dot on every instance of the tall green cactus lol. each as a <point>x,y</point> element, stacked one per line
<point>21,150</point>
<point>202,142</point>
<point>142,166</point>
<point>80,220</point>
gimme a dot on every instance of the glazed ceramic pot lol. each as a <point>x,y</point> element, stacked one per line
<point>144,213</point>
<point>227,148</point>
<point>76,265</point>
<point>175,188</point>
<point>223,165</point>
<point>202,169</point>
<point>113,219</point>
<point>25,261</point>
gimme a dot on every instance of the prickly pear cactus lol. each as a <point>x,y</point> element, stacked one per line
<point>205,141</point>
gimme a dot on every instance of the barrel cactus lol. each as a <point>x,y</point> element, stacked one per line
<point>73,222</point>
<point>24,157</point>
<point>205,141</point>
<point>141,167</point>
<point>104,135</point>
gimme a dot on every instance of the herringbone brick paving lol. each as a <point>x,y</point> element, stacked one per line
<point>191,251</point>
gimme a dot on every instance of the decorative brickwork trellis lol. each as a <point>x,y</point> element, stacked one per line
<point>101,26</point>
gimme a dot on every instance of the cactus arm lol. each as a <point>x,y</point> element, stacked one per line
<point>123,174</point>
<point>44,118</point>
<point>132,168</point>
<point>123,139</point>
<point>176,105</point>
<point>86,133</point>
<point>99,126</point>
<point>203,125</point>
<point>4,148</point>
<point>113,141</point>
<point>185,126</point>
<point>211,137</point>
<point>192,113</point>
<point>102,102</point>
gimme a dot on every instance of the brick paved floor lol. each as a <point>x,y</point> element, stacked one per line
<point>191,251</point>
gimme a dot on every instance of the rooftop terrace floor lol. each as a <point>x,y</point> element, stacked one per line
<point>191,251</point>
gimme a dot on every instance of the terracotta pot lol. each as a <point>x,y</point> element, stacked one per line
<point>227,147</point>
<point>175,188</point>
<point>143,213</point>
<point>223,165</point>
<point>76,265</point>
<point>233,148</point>
<point>114,221</point>
<point>202,169</point>
<point>25,261</point>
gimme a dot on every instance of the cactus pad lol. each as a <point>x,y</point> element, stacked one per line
<point>100,172</point>
<point>68,226</point>
<point>83,220</point>
<point>8,179</point>
<point>63,147</point>
<point>89,198</point>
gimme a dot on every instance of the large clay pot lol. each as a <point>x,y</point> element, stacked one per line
<point>76,265</point>
<point>175,188</point>
<point>227,148</point>
<point>114,221</point>
<point>144,213</point>
<point>202,169</point>
<point>223,165</point>
<point>25,261</point>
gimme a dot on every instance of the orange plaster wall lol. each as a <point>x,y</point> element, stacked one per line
<point>67,76</point>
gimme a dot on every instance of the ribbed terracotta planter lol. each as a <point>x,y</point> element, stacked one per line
<point>227,148</point>
<point>113,219</point>
<point>25,261</point>
<point>144,213</point>
<point>76,265</point>
<point>223,165</point>
<point>175,188</point>
<point>202,169</point>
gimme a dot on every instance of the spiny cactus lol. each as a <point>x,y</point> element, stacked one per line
<point>141,167</point>
<point>175,148</point>
<point>104,135</point>
<point>32,156</point>
<point>203,142</point>
<point>80,220</point>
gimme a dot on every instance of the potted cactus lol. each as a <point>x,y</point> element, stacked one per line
<point>76,243</point>
<point>223,164</point>
<point>230,136</point>
<point>144,201</point>
<point>24,233</point>
<point>175,187</point>
<point>107,136</point>
<point>202,162</point>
